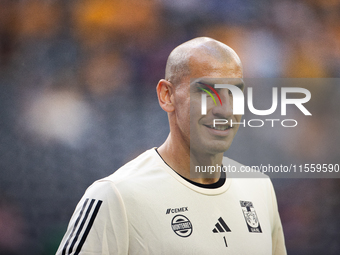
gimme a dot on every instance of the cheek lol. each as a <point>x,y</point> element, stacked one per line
<point>195,109</point>
<point>238,117</point>
<point>183,111</point>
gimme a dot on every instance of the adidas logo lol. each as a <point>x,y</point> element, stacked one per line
<point>221,226</point>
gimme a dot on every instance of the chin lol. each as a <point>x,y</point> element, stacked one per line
<point>217,150</point>
<point>213,148</point>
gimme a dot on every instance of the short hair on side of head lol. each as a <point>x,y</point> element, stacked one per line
<point>177,65</point>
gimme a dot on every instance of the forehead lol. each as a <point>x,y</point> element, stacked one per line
<point>203,65</point>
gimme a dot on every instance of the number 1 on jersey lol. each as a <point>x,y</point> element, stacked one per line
<point>225,241</point>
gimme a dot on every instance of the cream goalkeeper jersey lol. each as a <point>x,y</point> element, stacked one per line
<point>147,208</point>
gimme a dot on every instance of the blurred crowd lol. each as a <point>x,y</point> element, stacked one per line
<point>78,100</point>
<point>92,43</point>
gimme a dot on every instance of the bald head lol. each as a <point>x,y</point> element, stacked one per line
<point>199,53</point>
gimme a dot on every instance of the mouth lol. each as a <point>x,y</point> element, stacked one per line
<point>219,127</point>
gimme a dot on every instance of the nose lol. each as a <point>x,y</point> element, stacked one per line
<point>225,110</point>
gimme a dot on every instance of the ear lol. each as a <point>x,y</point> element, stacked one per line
<point>165,95</point>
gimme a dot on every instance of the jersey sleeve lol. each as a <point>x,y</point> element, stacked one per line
<point>278,242</point>
<point>98,224</point>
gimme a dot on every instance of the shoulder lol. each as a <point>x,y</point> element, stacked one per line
<point>115,188</point>
<point>142,169</point>
<point>146,163</point>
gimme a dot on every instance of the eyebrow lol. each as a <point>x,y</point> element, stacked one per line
<point>206,84</point>
<point>240,84</point>
<point>203,81</point>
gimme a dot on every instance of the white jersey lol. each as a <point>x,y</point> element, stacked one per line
<point>147,208</point>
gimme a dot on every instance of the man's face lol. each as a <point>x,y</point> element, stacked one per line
<point>197,129</point>
<point>205,135</point>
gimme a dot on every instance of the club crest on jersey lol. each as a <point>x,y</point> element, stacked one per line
<point>181,225</point>
<point>250,216</point>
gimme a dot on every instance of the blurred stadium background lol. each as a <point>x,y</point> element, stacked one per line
<point>78,100</point>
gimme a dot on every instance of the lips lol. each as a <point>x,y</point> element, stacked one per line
<point>219,127</point>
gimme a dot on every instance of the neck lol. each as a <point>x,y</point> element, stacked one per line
<point>200,163</point>
<point>182,160</point>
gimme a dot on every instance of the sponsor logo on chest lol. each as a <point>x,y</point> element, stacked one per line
<point>176,210</point>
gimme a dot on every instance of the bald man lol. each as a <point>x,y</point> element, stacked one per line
<point>155,205</point>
